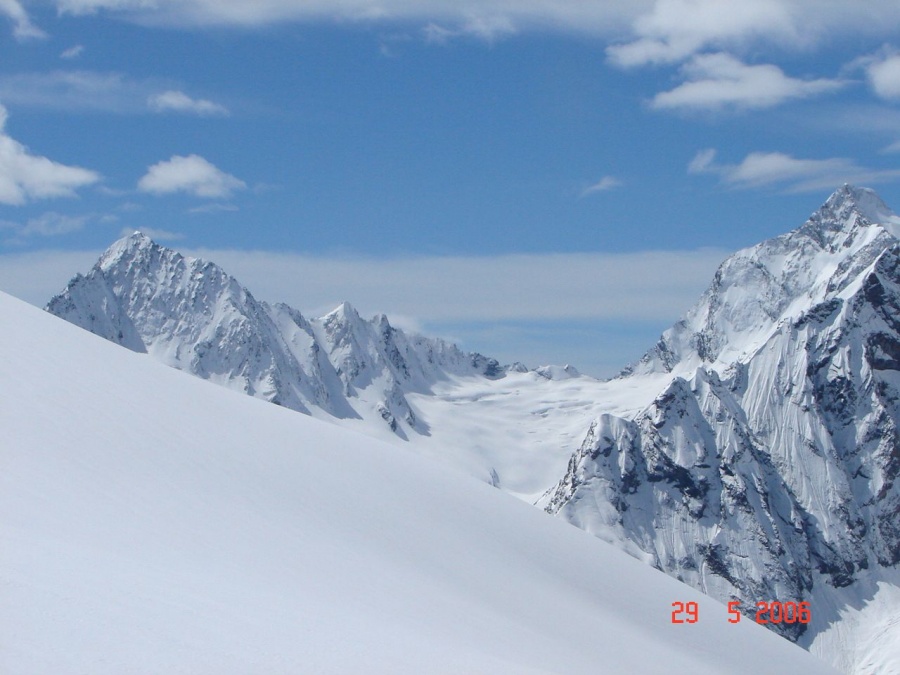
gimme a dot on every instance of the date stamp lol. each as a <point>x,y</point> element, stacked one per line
<point>766,612</point>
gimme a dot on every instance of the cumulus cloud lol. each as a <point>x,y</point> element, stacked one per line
<point>883,73</point>
<point>675,29</point>
<point>720,80</point>
<point>178,101</point>
<point>23,29</point>
<point>604,184</point>
<point>192,174</point>
<point>26,177</point>
<point>765,169</point>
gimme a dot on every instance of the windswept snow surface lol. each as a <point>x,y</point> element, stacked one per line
<point>151,522</point>
<point>860,632</point>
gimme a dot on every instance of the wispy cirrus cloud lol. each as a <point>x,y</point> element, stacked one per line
<point>487,18</point>
<point>190,174</point>
<point>214,207</point>
<point>72,90</point>
<point>26,177</point>
<point>488,28</point>
<point>776,169</point>
<point>715,81</point>
<point>603,185</point>
<point>154,233</point>
<point>646,31</point>
<point>72,52</point>
<point>177,101</point>
<point>50,224</point>
<point>23,28</point>
<point>90,90</point>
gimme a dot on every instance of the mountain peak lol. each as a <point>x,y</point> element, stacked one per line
<point>126,247</point>
<point>344,311</point>
<point>848,203</point>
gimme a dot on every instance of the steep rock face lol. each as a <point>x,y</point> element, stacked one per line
<point>191,315</point>
<point>770,458</point>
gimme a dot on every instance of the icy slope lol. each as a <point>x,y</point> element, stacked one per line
<point>151,522</point>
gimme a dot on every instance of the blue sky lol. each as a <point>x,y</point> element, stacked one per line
<point>544,181</point>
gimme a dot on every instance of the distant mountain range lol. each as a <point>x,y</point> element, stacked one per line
<point>752,453</point>
<point>190,314</point>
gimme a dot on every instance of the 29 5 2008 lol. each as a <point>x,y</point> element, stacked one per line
<point>775,612</point>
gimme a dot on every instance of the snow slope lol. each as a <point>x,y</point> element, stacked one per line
<point>152,522</point>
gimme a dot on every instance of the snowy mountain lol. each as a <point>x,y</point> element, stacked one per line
<point>153,523</point>
<point>766,465</point>
<point>190,314</point>
<point>752,453</point>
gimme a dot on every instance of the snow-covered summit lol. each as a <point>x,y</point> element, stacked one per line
<point>849,203</point>
<point>763,464</point>
<point>761,287</point>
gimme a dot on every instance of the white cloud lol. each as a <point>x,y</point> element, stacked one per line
<point>602,185</point>
<point>632,286</point>
<point>73,90</point>
<point>884,75</point>
<point>153,233</point>
<point>72,52</point>
<point>51,224</point>
<point>178,101</point>
<point>37,276</point>
<point>892,148</point>
<point>486,18</point>
<point>215,207</point>
<point>720,80</point>
<point>69,90</point>
<point>675,29</point>
<point>192,174</point>
<point>488,28</point>
<point>26,177</point>
<point>626,286</point>
<point>23,29</point>
<point>764,169</point>
<point>652,31</point>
